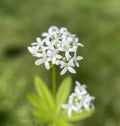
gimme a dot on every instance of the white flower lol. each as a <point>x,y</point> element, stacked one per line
<point>71,105</point>
<point>86,101</point>
<point>54,56</point>
<point>34,51</point>
<point>52,32</point>
<point>63,30</point>
<point>38,42</point>
<point>76,59</point>
<point>78,100</point>
<point>58,47</point>
<point>68,67</point>
<point>44,60</point>
<point>80,90</point>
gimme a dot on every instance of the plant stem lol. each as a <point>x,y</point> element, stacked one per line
<point>54,80</point>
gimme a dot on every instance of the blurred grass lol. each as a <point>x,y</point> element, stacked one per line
<point>96,23</point>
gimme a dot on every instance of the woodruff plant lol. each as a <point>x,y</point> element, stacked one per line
<point>58,47</point>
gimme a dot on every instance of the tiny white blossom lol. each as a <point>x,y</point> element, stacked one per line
<point>71,105</point>
<point>63,30</point>
<point>34,51</point>
<point>80,89</point>
<point>68,67</point>
<point>38,42</point>
<point>54,56</point>
<point>58,47</point>
<point>78,100</point>
<point>76,59</point>
<point>44,60</point>
<point>86,101</point>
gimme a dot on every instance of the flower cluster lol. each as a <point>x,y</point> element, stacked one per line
<point>78,100</point>
<point>58,47</point>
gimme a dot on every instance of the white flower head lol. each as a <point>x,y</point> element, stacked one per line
<point>78,100</point>
<point>58,47</point>
<point>69,106</point>
<point>80,90</point>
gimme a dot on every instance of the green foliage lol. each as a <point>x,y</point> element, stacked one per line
<point>63,92</point>
<point>44,93</point>
<point>44,103</point>
<point>47,109</point>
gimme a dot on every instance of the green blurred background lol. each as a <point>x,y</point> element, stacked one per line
<point>96,23</point>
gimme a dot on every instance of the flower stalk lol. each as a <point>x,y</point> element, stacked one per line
<point>54,80</point>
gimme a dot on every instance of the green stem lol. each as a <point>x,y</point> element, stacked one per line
<point>54,80</point>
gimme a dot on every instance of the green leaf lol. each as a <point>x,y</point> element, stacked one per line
<point>63,92</point>
<point>37,103</point>
<point>44,92</point>
<point>41,110</point>
<point>41,117</point>
<point>78,116</point>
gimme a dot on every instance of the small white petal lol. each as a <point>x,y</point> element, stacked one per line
<point>38,39</point>
<point>86,106</point>
<point>48,43</point>
<point>63,30</point>
<point>71,70</point>
<point>79,58</point>
<point>34,43</point>
<point>65,106</point>
<point>80,44</point>
<point>69,112</point>
<point>38,62</point>
<point>52,29</point>
<point>30,49</point>
<point>64,38</point>
<point>53,60</point>
<point>77,64</point>
<point>77,83</point>
<point>76,39</point>
<point>73,49</point>
<point>69,39</point>
<point>47,66</point>
<point>63,71</point>
<point>38,55</point>
<point>33,50</point>
<point>58,62</point>
<point>45,34</point>
<point>58,56</point>
<point>67,55</point>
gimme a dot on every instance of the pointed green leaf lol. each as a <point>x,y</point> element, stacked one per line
<point>37,103</point>
<point>44,92</point>
<point>41,117</point>
<point>63,92</point>
<point>78,116</point>
<point>41,110</point>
